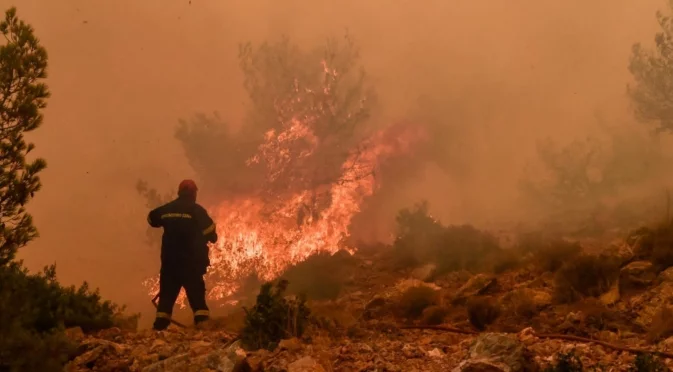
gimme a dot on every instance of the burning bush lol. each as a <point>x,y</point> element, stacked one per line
<point>274,317</point>
<point>304,161</point>
<point>585,276</point>
<point>423,239</point>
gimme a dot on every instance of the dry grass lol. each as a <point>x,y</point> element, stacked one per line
<point>552,255</point>
<point>482,312</point>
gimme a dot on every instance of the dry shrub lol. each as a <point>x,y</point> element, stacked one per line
<point>506,260</point>
<point>662,325</point>
<point>422,239</point>
<point>584,276</point>
<point>551,255</point>
<point>521,304</point>
<point>321,276</point>
<point>433,315</point>
<point>482,312</point>
<point>416,299</point>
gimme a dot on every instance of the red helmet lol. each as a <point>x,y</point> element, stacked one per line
<point>187,187</point>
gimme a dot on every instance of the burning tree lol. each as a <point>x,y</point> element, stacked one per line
<point>286,184</point>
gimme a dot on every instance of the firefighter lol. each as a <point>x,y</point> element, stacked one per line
<point>184,253</point>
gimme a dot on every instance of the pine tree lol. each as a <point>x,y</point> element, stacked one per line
<point>23,64</point>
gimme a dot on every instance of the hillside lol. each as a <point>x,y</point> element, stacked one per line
<point>516,320</point>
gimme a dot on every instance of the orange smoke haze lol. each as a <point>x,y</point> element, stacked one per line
<point>503,74</point>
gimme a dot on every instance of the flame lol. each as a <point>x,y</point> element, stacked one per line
<point>266,233</point>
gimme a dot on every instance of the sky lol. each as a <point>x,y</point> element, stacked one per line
<point>122,73</point>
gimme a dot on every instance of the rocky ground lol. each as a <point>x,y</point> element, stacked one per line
<point>364,333</point>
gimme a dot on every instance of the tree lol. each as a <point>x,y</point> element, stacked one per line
<point>298,98</point>
<point>23,65</point>
<point>652,70</point>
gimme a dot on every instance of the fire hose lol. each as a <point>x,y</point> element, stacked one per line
<point>156,306</point>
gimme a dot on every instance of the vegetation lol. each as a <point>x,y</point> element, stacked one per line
<point>321,276</point>
<point>482,312</point>
<point>415,300</point>
<point>325,86</point>
<point>585,276</point>
<point>433,315</point>
<point>23,95</point>
<point>568,185</point>
<point>648,363</point>
<point>652,70</point>
<point>422,239</point>
<point>274,317</point>
<point>34,308</point>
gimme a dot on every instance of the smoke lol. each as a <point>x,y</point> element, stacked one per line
<point>489,78</point>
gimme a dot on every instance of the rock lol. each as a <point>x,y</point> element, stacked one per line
<point>497,352</point>
<point>621,250</point>
<point>435,353</point>
<point>637,274</point>
<point>612,296</point>
<point>90,356</point>
<point>305,364</point>
<point>403,285</point>
<point>199,347</point>
<point>290,344</point>
<point>666,275</point>
<point>75,334</point>
<point>477,285</point>
<point>424,273</point>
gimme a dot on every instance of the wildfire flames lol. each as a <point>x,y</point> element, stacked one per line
<point>269,232</point>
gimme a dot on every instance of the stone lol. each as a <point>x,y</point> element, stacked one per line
<point>666,275</point>
<point>305,364</point>
<point>425,272</point>
<point>477,285</point>
<point>75,334</point>
<point>611,296</point>
<point>290,344</point>
<point>638,274</point>
<point>497,352</point>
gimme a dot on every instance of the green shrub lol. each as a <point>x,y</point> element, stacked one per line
<point>274,317</point>
<point>585,276</point>
<point>34,308</point>
<point>550,255</point>
<point>648,363</point>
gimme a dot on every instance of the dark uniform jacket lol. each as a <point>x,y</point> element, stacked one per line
<point>187,230</point>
